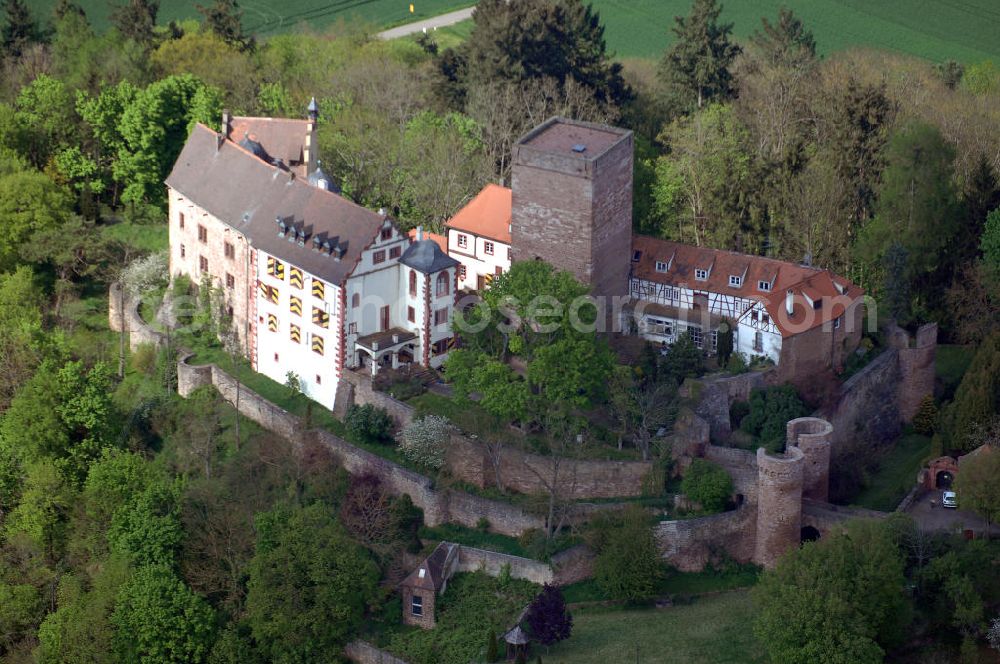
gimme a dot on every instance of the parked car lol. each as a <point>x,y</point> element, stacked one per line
<point>949,499</point>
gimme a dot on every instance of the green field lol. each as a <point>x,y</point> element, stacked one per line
<point>270,16</point>
<point>712,630</point>
<point>963,30</point>
<point>897,473</point>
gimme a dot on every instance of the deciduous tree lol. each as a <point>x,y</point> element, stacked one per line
<point>839,599</point>
<point>548,620</point>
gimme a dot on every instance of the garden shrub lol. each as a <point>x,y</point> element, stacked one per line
<point>368,424</point>
<point>770,411</point>
<point>628,565</point>
<point>708,484</point>
<point>925,421</point>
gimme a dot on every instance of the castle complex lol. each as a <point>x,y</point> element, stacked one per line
<point>316,285</point>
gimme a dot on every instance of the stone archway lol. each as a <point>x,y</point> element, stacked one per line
<point>809,534</point>
<point>943,479</point>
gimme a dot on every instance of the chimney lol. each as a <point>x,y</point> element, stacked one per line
<point>309,149</point>
<point>227,123</point>
<point>420,233</point>
<point>790,302</point>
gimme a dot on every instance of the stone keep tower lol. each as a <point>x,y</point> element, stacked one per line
<point>572,201</point>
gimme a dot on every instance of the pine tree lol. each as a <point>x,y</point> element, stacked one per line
<point>786,42</point>
<point>926,418</point>
<point>895,285</point>
<point>136,20</point>
<point>19,28</point>
<point>225,18</point>
<point>696,66</point>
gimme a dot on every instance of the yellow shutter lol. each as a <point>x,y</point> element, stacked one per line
<point>320,317</point>
<point>279,270</point>
<point>319,289</point>
<point>272,294</point>
<point>295,304</point>
<point>270,265</point>
<point>317,344</point>
<point>272,322</point>
<point>262,287</point>
<point>295,277</point>
<point>295,333</point>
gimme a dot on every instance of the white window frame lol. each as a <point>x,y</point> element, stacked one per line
<point>661,266</point>
<point>696,335</point>
<point>701,275</point>
<point>417,606</point>
<point>836,322</point>
<point>758,341</point>
<point>463,241</point>
<point>735,280</point>
<point>488,248</point>
<point>764,286</point>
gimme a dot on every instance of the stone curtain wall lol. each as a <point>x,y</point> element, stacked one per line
<point>138,331</point>
<point>916,365</point>
<point>867,410</point>
<point>741,466</point>
<point>689,544</point>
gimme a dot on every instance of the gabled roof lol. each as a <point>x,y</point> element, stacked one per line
<point>432,573</point>
<point>281,138</point>
<point>487,215</point>
<point>803,281</point>
<point>249,195</point>
<point>441,240</point>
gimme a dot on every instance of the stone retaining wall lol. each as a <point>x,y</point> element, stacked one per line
<point>491,562</point>
<point>469,460</point>
<point>689,544</point>
<point>365,653</point>
<point>439,506</point>
<point>139,332</point>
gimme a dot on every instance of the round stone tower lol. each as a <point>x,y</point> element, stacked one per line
<point>779,504</point>
<point>813,436</point>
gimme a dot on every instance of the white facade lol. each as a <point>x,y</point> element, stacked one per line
<point>679,309</point>
<point>482,258</point>
<point>297,328</point>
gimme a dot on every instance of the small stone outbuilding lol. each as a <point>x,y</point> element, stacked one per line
<point>421,588</point>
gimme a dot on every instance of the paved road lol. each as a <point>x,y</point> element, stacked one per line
<point>941,519</point>
<point>427,24</point>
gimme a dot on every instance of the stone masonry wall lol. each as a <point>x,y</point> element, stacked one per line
<point>469,460</point>
<point>812,435</point>
<point>138,331</point>
<point>361,652</point>
<point>689,544</point>
<point>716,396</point>
<point>741,466</point>
<point>491,562</point>
<point>916,366</point>
<point>867,411</point>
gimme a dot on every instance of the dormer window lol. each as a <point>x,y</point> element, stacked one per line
<point>661,266</point>
<point>735,280</point>
<point>636,255</point>
<point>764,286</point>
<point>701,275</point>
<point>463,241</point>
<point>386,234</point>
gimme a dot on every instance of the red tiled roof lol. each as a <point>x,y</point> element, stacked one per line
<point>487,215</point>
<point>282,138</point>
<point>682,259</point>
<point>441,240</point>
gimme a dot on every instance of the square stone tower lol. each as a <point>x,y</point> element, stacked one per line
<point>572,201</point>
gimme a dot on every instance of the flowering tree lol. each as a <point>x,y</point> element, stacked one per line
<point>423,441</point>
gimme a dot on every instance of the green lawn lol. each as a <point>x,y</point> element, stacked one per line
<point>897,473</point>
<point>150,237</point>
<point>712,630</point>
<point>271,16</point>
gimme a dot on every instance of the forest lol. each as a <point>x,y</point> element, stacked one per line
<point>138,526</point>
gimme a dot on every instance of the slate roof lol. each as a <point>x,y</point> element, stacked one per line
<point>441,240</point>
<point>426,256</point>
<point>282,138</point>
<point>487,215</point>
<point>431,575</point>
<point>815,283</point>
<point>249,194</point>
